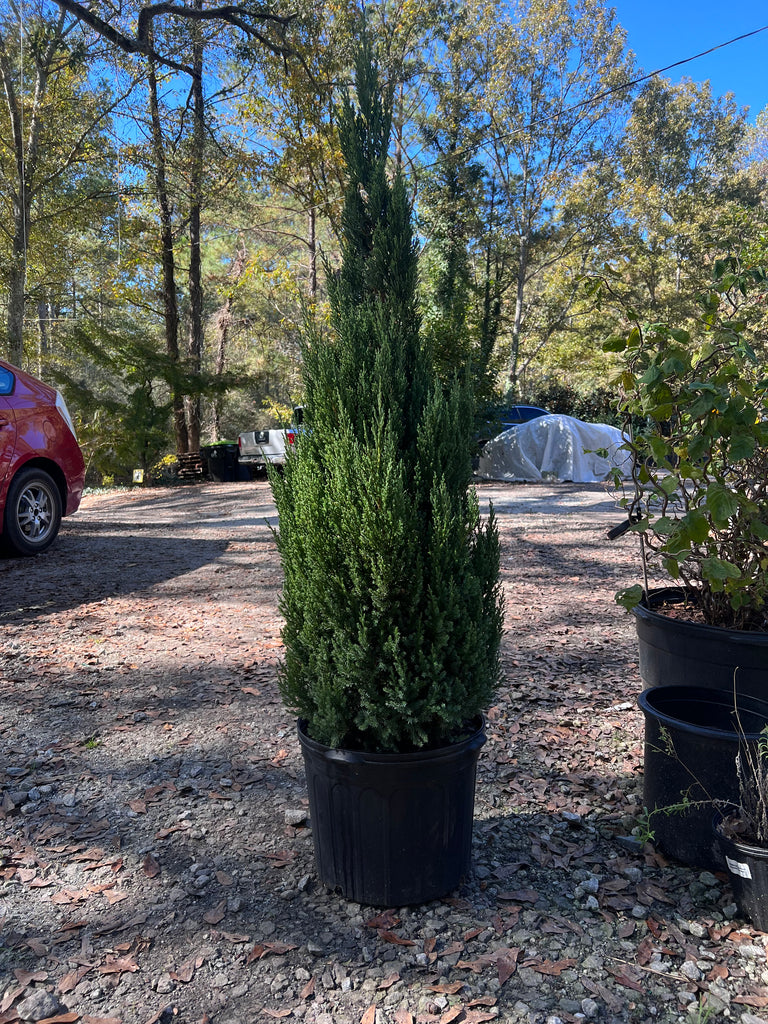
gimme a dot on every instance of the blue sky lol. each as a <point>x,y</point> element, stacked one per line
<point>664,31</point>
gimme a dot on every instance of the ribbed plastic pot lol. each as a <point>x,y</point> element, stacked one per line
<point>747,867</point>
<point>392,829</point>
<point>674,652</point>
<point>692,736</point>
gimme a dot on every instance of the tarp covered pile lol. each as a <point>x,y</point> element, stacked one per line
<point>554,448</point>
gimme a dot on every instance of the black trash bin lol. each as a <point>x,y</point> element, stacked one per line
<point>222,462</point>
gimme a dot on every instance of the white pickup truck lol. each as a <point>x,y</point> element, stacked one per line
<point>259,447</point>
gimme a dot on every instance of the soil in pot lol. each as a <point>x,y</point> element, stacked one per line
<point>674,651</point>
<point>392,829</point>
<point>692,736</point>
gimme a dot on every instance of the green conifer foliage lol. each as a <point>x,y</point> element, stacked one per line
<point>391,598</point>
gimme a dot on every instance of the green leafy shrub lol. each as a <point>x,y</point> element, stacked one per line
<point>700,455</point>
<point>391,598</point>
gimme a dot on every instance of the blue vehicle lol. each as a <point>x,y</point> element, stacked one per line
<point>494,420</point>
<point>518,414</point>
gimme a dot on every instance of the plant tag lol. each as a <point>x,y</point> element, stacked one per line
<point>736,868</point>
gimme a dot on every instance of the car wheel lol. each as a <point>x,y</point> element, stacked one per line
<point>32,512</point>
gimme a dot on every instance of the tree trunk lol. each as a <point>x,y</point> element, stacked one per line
<point>26,153</point>
<point>312,251</point>
<point>168,261</point>
<point>17,286</point>
<point>43,333</point>
<point>522,270</point>
<point>195,336</point>
<point>223,322</point>
<point>491,315</point>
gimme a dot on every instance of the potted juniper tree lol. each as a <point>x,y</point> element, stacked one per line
<point>696,408</point>
<point>391,599</point>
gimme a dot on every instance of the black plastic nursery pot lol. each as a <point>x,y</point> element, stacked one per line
<point>392,829</point>
<point>747,867</point>
<point>692,736</point>
<point>675,652</point>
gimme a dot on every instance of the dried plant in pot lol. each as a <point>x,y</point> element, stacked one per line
<point>391,596</point>
<point>695,403</point>
<point>741,833</point>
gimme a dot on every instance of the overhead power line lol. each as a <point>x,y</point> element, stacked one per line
<point>592,99</point>
<point>704,53</point>
<point>618,88</point>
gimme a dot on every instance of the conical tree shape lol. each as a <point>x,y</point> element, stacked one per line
<point>391,599</point>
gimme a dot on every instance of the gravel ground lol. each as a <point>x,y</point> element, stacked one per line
<point>155,850</point>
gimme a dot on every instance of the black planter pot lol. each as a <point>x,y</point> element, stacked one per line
<point>747,867</point>
<point>692,736</point>
<point>677,653</point>
<point>392,829</point>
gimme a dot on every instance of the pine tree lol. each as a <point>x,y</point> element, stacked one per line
<point>391,599</point>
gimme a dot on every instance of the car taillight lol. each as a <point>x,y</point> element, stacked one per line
<point>290,436</point>
<point>61,405</point>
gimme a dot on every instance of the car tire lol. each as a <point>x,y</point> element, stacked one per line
<point>32,512</point>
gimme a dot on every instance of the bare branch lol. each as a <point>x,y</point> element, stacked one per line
<point>232,14</point>
<point>124,42</point>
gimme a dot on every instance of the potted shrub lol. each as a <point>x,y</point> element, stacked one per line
<point>391,598</point>
<point>695,404</point>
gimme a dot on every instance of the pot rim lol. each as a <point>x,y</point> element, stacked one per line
<point>746,846</point>
<point>472,741</point>
<point>677,595</point>
<point>702,694</point>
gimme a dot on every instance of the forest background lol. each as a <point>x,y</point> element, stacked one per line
<point>171,184</point>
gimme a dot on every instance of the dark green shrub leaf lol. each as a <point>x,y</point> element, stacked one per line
<point>696,526</point>
<point>722,504</point>
<point>683,337</point>
<point>672,566</point>
<point>664,526</point>
<point>719,569</point>
<point>631,597</point>
<point>652,376</point>
<point>742,446</point>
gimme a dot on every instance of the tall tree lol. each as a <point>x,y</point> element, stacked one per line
<point>457,264</point>
<point>54,122</point>
<point>196,190</point>
<point>168,255</point>
<point>682,189</point>
<point>550,74</point>
<point>295,151</point>
<point>678,195</point>
<point>174,37</point>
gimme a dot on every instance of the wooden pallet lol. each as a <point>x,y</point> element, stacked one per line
<point>191,466</point>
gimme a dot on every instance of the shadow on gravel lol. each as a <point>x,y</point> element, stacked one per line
<point>90,563</point>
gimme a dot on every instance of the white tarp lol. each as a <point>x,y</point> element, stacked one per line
<point>553,448</point>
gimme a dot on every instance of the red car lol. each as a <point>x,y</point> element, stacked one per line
<point>42,470</point>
